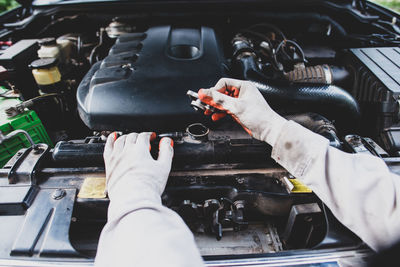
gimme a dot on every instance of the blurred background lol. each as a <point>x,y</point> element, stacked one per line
<point>392,4</point>
<point>9,4</point>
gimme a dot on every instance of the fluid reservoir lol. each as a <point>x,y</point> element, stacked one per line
<point>49,48</point>
<point>47,75</point>
<point>65,46</point>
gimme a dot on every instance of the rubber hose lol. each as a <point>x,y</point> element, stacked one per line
<point>330,101</point>
<point>318,124</point>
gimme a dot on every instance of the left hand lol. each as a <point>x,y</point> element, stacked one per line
<point>129,155</point>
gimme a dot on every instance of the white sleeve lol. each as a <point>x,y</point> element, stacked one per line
<point>140,231</point>
<point>359,189</point>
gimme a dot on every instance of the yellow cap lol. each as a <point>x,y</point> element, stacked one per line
<point>47,76</point>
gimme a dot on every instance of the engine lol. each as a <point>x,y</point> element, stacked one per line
<point>141,85</point>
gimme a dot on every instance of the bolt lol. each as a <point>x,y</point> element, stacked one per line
<point>59,194</point>
<point>36,149</point>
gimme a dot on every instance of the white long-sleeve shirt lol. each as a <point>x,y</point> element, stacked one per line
<point>140,231</point>
<point>359,189</point>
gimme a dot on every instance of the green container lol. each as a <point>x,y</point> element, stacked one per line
<point>28,121</point>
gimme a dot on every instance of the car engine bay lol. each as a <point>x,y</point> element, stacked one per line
<point>89,74</point>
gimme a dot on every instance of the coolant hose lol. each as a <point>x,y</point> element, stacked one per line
<point>330,101</point>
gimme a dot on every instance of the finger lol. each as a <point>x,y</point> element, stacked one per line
<point>235,88</point>
<point>214,98</point>
<point>227,82</point>
<point>131,139</point>
<point>108,148</point>
<point>217,116</point>
<point>119,143</point>
<point>166,150</point>
<point>235,91</point>
<point>217,100</point>
<point>223,84</point>
<point>144,139</point>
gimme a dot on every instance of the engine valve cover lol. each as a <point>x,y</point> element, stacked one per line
<point>141,85</point>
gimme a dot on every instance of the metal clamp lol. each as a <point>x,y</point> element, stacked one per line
<point>25,164</point>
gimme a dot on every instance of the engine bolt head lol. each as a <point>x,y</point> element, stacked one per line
<point>58,194</point>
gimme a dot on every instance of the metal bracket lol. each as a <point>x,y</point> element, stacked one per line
<point>25,164</point>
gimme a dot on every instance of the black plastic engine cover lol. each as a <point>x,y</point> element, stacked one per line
<point>142,83</point>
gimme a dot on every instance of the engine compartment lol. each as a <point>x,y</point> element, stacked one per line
<point>89,74</point>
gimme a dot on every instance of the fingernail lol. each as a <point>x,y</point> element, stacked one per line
<point>165,139</point>
<point>207,112</point>
<point>153,136</point>
<point>115,135</point>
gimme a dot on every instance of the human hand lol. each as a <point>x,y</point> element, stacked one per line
<point>129,156</point>
<point>244,102</point>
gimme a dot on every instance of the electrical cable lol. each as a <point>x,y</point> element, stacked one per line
<point>44,96</point>
<point>280,46</point>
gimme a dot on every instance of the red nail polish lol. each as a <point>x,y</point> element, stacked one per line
<point>153,136</point>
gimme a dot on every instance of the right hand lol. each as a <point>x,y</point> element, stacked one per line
<point>244,102</point>
<point>129,163</point>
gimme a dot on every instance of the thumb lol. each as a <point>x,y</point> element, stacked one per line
<point>166,151</point>
<point>217,100</point>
